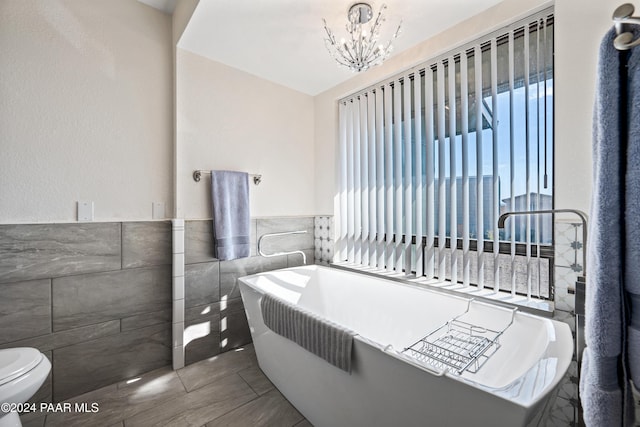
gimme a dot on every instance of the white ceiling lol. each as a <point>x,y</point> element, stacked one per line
<point>283,40</point>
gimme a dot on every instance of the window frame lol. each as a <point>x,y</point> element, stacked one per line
<point>505,246</point>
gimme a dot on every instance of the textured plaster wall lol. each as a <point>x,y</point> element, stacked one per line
<point>86,100</point>
<point>229,119</point>
<point>85,109</point>
<point>580,26</point>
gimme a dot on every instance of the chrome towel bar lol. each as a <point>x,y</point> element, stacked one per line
<point>621,16</point>
<point>197,175</point>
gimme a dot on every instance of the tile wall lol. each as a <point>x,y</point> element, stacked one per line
<point>94,298</point>
<point>214,318</point>
<point>177,303</point>
<point>568,266</point>
<point>323,239</point>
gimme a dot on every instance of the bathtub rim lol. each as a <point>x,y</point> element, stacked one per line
<point>552,349</point>
<point>537,307</point>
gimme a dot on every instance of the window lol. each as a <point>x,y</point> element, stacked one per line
<point>432,157</point>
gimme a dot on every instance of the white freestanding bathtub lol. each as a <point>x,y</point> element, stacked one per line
<point>386,387</point>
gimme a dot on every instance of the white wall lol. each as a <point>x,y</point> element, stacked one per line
<point>85,109</point>
<point>228,119</point>
<point>86,112</point>
<point>181,17</point>
<point>579,28</point>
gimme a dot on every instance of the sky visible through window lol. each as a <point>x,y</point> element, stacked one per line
<point>536,143</point>
<point>538,149</point>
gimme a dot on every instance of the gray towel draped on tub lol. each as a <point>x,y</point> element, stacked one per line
<point>612,356</point>
<point>231,218</point>
<point>319,336</point>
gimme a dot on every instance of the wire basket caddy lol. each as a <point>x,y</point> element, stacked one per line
<point>458,346</point>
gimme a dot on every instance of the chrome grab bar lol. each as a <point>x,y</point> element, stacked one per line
<point>286,233</point>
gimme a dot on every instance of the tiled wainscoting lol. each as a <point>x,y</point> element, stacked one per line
<point>94,298</point>
<point>214,315</point>
<point>323,239</point>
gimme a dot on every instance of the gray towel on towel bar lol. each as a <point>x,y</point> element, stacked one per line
<point>231,218</point>
<point>632,218</point>
<point>319,336</point>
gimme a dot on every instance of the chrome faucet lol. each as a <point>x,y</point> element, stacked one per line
<point>583,218</point>
<point>580,283</point>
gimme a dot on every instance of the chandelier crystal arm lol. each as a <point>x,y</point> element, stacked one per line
<point>375,31</point>
<point>362,49</point>
<point>398,31</point>
<point>346,52</point>
<point>330,37</point>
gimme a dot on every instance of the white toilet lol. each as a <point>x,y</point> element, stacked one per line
<point>22,372</point>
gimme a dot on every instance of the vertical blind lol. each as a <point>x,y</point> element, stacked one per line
<point>431,157</point>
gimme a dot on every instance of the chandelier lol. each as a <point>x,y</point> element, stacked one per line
<point>362,50</point>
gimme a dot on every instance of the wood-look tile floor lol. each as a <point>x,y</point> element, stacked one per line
<point>226,390</point>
